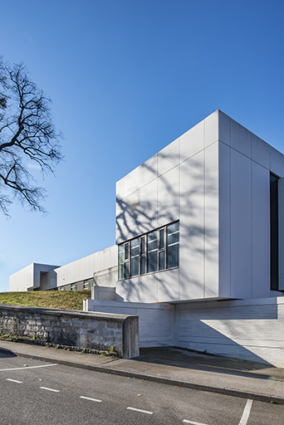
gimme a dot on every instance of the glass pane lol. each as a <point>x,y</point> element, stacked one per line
<point>173,245</point>
<point>152,251</point>
<point>143,245</point>
<point>126,270</point>
<point>162,239</point>
<point>126,251</point>
<point>143,265</point>
<point>135,256</point>
<point>162,260</point>
<point>120,261</point>
<point>173,233</point>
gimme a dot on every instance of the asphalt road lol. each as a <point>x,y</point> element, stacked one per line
<point>34,392</point>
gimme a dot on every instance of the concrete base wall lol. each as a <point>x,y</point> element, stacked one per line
<point>244,329</point>
<point>86,330</point>
<point>156,321</point>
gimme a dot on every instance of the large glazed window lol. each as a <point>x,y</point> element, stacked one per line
<point>155,251</point>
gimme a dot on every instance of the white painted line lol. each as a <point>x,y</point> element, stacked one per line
<point>28,367</point>
<point>49,389</point>
<point>92,399</point>
<point>139,410</point>
<point>246,413</point>
<point>14,380</point>
<point>193,423</point>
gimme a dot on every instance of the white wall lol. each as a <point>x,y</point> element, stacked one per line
<point>45,277</point>
<point>214,179</point>
<point>29,277</point>
<point>178,183</point>
<point>245,329</point>
<point>22,280</point>
<point>245,163</point>
<point>84,268</point>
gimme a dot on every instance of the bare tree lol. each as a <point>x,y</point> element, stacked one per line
<point>27,136</point>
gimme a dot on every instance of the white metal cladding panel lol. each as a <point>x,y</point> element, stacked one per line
<point>260,151</point>
<point>131,182</point>
<point>224,128</point>
<point>260,231</point>
<point>147,214</point>
<point>192,227</point>
<point>168,286</point>
<point>168,157</point>
<point>276,162</point>
<point>192,141</point>
<point>120,189</point>
<point>139,289</point>
<point>211,128</point>
<point>240,138</point>
<point>127,221</point>
<point>224,220</point>
<point>149,170</point>
<point>241,224</point>
<point>168,197</point>
<point>211,225</point>
<point>85,267</point>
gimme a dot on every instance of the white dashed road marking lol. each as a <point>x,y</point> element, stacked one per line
<point>193,423</point>
<point>91,399</point>
<point>49,389</point>
<point>246,413</point>
<point>14,380</point>
<point>139,410</point>
<point>27,367</point>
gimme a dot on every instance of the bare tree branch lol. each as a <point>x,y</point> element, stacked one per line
<point>26,132</point>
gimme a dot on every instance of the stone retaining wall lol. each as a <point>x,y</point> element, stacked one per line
<point>97,331</point>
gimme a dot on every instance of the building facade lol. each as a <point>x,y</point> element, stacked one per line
<point>199,220</point>
<point>199,247</point>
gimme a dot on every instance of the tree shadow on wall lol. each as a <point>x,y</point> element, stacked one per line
<point>183,200</point>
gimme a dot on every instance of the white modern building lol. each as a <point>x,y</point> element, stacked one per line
<point>200,241</point>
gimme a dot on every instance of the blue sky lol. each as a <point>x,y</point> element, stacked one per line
<point>126,78</point>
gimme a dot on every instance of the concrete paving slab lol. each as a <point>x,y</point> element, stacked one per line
<point>172,366</point>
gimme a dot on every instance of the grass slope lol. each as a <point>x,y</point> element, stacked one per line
<point>64,300</point>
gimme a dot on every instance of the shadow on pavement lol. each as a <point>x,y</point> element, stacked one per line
<point>6,353</point>
<point>205,362</point>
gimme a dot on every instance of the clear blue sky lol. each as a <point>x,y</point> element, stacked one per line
<point>126,78</point>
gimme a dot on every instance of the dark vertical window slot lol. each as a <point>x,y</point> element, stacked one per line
<point>274,251</point>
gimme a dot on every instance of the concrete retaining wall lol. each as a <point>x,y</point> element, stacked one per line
<point>86,330</point>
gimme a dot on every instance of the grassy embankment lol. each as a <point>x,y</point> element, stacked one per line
<point>64,300</point>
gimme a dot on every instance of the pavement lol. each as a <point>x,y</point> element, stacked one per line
<point>171,366</point>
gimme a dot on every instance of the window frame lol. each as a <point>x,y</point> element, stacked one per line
<point>162,250</point>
